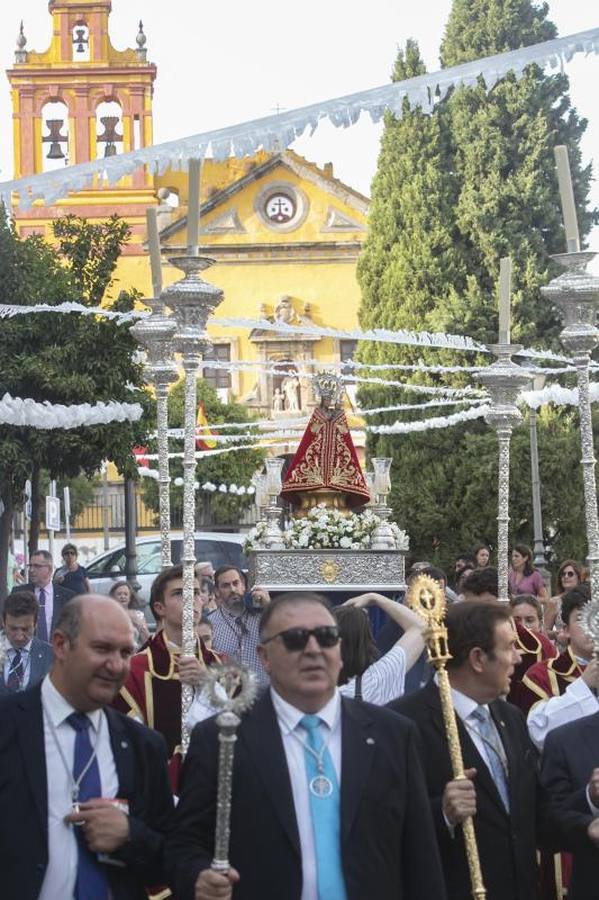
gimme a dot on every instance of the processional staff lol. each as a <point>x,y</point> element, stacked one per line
<point>426,597</point>
<point>233,690</point>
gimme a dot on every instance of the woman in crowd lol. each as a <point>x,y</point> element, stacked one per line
<point>532,644</point>
<point>569,575</point>
<point>123,594</point>
<point>366,675</point>
<point>207,594</point>
<point>71,575</point>
<point>482,555</point>
<point>523,578</point>
<point>527,611</point>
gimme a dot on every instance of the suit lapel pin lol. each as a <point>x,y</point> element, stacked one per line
<point>370,740</point>
<point>124,745</point>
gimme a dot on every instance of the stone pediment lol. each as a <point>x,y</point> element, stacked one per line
<point>313,189</point>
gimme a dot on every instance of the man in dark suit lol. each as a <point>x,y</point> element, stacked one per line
<point>500,761</point>
<point>65,758</point>
<point>570,775</point>
<point>27,659</point>
<point>328,799</point>
<point>51,597</point>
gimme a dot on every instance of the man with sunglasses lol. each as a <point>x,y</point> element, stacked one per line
<point>328,798</point>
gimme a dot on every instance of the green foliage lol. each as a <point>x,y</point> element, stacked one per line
<point>227,468</point>
<point>453,193</point>
<point>69,358</point>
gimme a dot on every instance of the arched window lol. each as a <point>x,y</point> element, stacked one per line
<point>80,42</point>
<point>55,136</point>
<point>109,128</point>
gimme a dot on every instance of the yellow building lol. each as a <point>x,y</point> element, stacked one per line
<point>285,233</point>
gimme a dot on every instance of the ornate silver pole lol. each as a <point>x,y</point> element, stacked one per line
<point>156,334</point>
<point>576,292</point>
<point>504,380</point>
<point>537,513</point>
<point>233,689</point>
<point>192,300</point>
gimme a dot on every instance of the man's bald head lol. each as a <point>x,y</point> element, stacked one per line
<point>93,643</point>
<point>78,608</point>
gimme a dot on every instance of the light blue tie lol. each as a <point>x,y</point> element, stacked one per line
<point>495,752</point>
<point>325,812</point>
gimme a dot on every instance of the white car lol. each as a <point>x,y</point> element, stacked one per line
<point>217,547</point>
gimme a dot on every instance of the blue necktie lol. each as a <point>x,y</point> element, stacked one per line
<point>495,752</point>
<point>325,811</point>
<point>92,883</point>
<point>42,625</point>
<point>15,672</point>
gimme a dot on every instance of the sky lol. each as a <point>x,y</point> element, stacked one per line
<point>223,63</point>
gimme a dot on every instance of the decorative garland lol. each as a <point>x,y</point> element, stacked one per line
<point>558,395</point>
<point>384,336</point>
<point>436,422</point>
<point>30,414</point>
<point>279,131</point>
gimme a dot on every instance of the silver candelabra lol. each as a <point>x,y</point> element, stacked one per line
<point>504,381</point>
<point>576,292</point>
<point>192,300</point>
<point>273,538</point>
<point>156,334</point>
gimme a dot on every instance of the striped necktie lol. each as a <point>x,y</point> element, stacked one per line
<point>495,753</point>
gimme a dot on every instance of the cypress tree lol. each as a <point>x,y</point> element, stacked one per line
<point>453,193</point>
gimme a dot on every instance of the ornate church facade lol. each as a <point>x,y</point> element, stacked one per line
<point>285,233</point>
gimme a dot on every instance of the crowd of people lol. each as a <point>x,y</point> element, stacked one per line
<point>343,786</point>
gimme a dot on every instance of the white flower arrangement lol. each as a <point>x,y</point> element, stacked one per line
<point>324,529</point>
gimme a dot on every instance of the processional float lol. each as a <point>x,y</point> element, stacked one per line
<point>325,476</point>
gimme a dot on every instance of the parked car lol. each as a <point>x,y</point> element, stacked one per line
<point>218,547</point>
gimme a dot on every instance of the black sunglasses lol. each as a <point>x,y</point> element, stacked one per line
<point>568,574</point>
<point>297,638</point>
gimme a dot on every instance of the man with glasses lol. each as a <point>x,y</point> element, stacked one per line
<point>51,597</point>
<point>27,659</point>
<point>328,798</point>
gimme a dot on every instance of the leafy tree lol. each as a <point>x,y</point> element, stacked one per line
<point>453,193</point>
<point>66,359</point>
<point>227,468</point>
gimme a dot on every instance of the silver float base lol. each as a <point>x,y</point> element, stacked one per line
<point>328,570</point>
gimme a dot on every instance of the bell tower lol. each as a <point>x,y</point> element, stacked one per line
<point>79,100</point>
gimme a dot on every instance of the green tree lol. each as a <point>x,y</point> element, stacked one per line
<point>227,468</point>
<point>453,193</point>
<point>66,359</point>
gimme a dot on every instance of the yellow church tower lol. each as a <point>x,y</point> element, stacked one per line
<point>77,101</point>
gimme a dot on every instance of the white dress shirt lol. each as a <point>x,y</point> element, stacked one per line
<point>288,718</point>
<point>49,605</point>
<point>577,701</point>
<point>464,707</point>
<point>59,881</point>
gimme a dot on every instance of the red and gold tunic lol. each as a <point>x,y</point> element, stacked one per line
<point>534,647</point>
<point>152,692</point>
<point>549,678</point>
<point>543,681</point>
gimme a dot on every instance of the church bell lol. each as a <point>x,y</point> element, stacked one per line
<point>55,139</point>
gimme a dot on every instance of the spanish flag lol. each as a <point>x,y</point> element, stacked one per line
<point>204,439</point>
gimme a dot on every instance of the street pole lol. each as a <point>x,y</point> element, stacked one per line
<point>131,535</point>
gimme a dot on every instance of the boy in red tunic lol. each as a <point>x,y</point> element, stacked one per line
<point>152,692</point>
<point>557,691</point>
